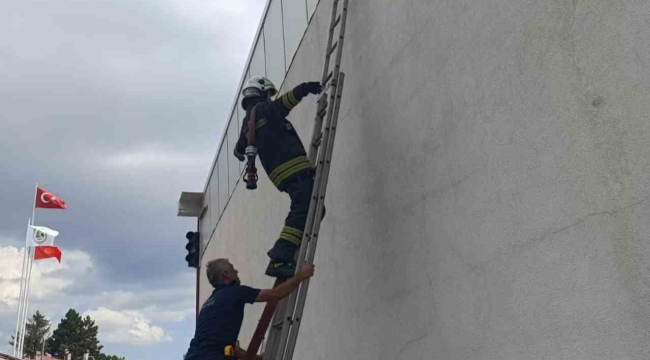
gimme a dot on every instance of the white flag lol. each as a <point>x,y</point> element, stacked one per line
<point>40,235</point>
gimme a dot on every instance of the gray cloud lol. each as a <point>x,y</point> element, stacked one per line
<point>117,107</point>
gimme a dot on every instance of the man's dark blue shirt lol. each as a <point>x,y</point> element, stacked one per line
<point>220,320</point>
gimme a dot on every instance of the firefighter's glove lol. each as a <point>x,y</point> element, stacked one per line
<point>313,87</point>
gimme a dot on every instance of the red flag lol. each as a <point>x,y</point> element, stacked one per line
<point>45,252</point>
<point>47,200</point>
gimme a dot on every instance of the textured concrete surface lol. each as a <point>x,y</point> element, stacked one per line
<point>489,191</point>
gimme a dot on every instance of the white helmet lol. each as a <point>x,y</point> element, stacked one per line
<point>257,84</point>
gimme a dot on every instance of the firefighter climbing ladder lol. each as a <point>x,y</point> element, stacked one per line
<point>287,314</point>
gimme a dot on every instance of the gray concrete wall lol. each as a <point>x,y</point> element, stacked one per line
<point>488,193</point>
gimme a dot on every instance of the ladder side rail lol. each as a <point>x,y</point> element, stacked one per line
<point>307,233</point>
<point>287,311</point>
<point>339,51</point>
<point>318,121</point>
<point>306,238</point>
<point>262,326</point>
<point>304,286</point>
<point>284,311</point>
<point>274,333</point>
<point>335,5</point>
<point>313,150</point>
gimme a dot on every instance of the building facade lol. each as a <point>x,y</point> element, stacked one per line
<point>489,184</point>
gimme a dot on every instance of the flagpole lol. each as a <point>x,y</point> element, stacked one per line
<point>20,301</point>
<point>22,294</point>
<point>30,259</point>
<point>27,293</point>
<point>34,206</point>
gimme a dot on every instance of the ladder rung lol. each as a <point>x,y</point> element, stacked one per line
<point>327,79</point>
<point>318,140</point>
<point>338,20</point>
<point>322,99</point>
<point>331,50</point>
<point>328,82</point>
<point>278,325</point>
<point>322,102</point>
<point>321,112</point>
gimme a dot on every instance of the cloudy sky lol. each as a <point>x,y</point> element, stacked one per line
<point>116,106</point>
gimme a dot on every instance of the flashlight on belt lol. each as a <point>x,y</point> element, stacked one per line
<point>229,351</point>
<point>251,152</point>
<point>251,171</point>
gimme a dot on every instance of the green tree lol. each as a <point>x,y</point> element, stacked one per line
<point>110,357</point>
<point>89,340</point>
<point>36,329</point>
<point>76,334</point>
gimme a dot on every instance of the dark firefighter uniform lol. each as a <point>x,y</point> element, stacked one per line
<point>219,322</point>
<point>285,161</point>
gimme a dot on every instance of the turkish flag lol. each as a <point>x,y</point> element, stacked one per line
<point>45,252</point>
<point>47,200</point>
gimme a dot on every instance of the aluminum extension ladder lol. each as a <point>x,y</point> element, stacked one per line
<point>287,313</point>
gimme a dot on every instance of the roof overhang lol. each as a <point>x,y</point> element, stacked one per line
<point>190,204</point>
<point>8,357</point>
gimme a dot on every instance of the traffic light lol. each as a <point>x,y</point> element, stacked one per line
<point>192,247</point>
